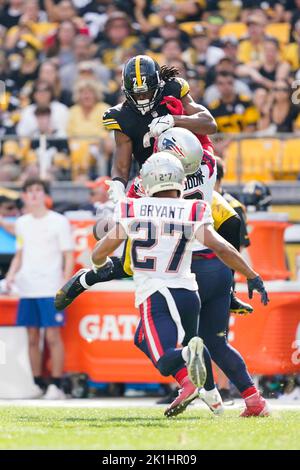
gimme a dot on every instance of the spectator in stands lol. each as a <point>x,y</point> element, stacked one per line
<point>270,68</point>
<point>229,45</point>
<point>63,44</point>
<point>83,51</point>
<point>283,114</point>
<point>293,17</point>
<point>262,100</point>
<point>56,151</point>
<point>171,49</point>
<point>9,172</point>
<point>292,51</point>
<point>232,112</point>
<point>227,65</point>
<point>49,73</point>
<point>169,29</point>
<point>201,53</point>
<point>97,145</point>
<point>118,35</point>
<point>63,10</point>
<point>10,206</point>
<point>43,96</point>
<point>33,21</point>
<point>214,26</point>
<point>155,18</point>
<point>24,61</point>
<point>251,49</point>
<point>12,13</point>
<point>84,115</point>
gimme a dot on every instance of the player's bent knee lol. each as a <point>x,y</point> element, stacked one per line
<point>164,367</point>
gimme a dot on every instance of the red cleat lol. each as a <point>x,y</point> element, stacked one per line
<point>256,405</point>
<point>186,395</point>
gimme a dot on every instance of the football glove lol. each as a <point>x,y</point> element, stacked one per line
<point>257,284</point>
<point>116,191</point>
<point>161,124</point>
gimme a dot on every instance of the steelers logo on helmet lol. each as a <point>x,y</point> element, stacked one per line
<point>184,145</point>
<point>142,83</point>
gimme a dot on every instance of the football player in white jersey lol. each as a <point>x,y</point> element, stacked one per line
<point>213,277</point>
<point>162,228</point>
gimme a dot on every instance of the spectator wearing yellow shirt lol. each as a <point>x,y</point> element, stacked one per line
<point>233,112</point>
<point>84,123</point>
<point>85,114</point>
<point>251,49</point>
<point>292,51</point>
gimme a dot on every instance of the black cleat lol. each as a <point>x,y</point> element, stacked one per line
<point>239,307</point>
<point>69,291</point>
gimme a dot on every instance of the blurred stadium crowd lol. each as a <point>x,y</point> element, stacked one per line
<point>61,63</point>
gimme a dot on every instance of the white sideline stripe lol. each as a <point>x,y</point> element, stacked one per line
<point>129,286</point>
<point>174,313</point>
<point>137,402</point>
<point>153,347</point>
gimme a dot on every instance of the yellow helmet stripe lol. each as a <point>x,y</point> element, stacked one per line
<point>138,70</point>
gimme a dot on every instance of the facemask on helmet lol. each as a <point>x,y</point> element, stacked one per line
<point>162,172</point>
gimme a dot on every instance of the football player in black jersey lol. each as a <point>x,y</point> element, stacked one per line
<point>144,115</point>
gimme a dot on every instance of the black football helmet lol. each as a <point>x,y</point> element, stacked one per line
<point>142,83</point>
<point>258,195</point>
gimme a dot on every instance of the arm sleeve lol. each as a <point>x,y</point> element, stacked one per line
<point>230,230</point>
<point>244,237</point>
<point>110,122</point>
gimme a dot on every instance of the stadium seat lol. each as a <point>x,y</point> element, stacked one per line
<point>233,29</point>
<point>280,31</point>
<point>230,157</point>
<point>80,156</point>
<point>253,159</point>
<point>259,156</point>
<point>290,163</point>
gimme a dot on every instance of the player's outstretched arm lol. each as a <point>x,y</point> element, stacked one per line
<point>198,118</point>
<point>232,258</point>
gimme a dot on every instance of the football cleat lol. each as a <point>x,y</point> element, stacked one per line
<point>72,289</point>
<point>54,393</point>
<point>213,400</point>
<point>195,363</point>
<point>256,405</point>
<point>186,395</point>
<point>238,307</point>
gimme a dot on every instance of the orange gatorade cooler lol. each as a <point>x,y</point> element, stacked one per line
<point>266,253</point>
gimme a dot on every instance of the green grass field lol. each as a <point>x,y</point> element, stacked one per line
<point>143,428</point>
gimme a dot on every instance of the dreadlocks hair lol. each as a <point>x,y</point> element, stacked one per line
<point>167,73</point>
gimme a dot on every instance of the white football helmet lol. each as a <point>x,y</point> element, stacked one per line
<point>184,145</point>
<point>162,172</point>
